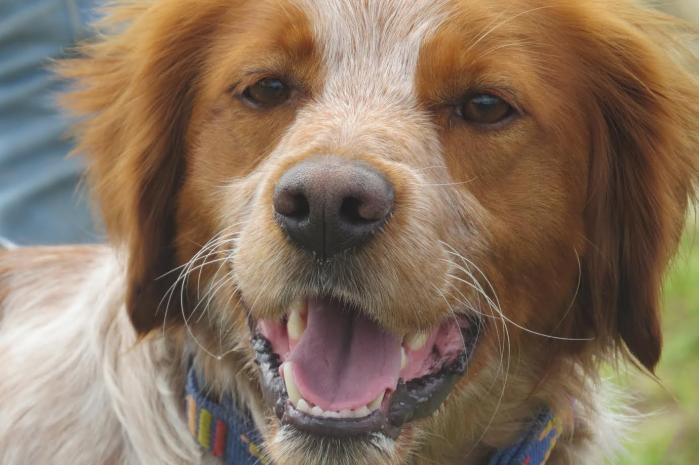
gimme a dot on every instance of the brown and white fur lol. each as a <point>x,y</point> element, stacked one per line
<point>557,226</point>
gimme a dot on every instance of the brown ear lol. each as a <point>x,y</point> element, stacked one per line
<point>643,168</point>
<point>134,94</point>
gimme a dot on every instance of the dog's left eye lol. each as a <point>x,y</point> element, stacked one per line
<point>267,93</point>
<point>485,109</point>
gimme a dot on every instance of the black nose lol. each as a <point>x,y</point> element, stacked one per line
<point>329,204</point>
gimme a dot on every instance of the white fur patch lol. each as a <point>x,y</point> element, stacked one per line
<point>370,50</point>
<point>75,387</point>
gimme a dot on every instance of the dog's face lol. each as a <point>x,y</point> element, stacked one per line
<point>390,197</point>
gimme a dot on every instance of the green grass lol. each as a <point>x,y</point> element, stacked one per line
<point>669,434</point>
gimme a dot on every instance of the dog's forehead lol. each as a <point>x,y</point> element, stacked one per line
<point>372,45</point>
<point>368,101</point>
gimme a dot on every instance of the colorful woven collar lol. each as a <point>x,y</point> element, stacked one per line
<point>224,431</point>
<point>221,428</point>
<point>534,447</point>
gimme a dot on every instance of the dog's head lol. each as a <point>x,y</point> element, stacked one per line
<point>391,197</point>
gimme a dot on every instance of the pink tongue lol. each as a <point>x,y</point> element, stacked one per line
<point>343,361</point>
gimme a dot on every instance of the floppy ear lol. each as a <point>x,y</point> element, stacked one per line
<point>644,166</point>
<point>134,95</point>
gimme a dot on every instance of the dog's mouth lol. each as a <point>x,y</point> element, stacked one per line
<point>330,370</point>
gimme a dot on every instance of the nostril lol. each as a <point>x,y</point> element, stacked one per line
<point>358,211</point>
<point>301,208</point>
<point>293,205</point>
<point>351,212</point>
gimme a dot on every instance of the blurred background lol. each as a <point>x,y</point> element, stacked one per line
<point>41,198</point>
<point>667,429</point>
<point>35,173</point>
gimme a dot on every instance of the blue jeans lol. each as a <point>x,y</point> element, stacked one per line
<point>42,200</point>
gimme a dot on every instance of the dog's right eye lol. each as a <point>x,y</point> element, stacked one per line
<point>485,109</point>
<point>267,93</point>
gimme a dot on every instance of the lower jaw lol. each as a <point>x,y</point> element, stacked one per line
<point>409,401</point>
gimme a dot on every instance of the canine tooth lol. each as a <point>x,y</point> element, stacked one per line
<point>416,341</point>
<point>296,324</point>
<point>376,403</point>
<point>317,411</point>
<point>291,389</point>
<point>403,359</point>
<point>304,406</point>
<point>362,412</point>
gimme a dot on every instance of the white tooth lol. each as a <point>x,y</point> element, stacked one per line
<point>298,305</point>
<point>304,406</point>
<point>376,403</point>
<point>345,413</point>
<point>296,324</point>
<point>403,359</point>
<point>331,414</point>
<point>317,411</point>
<point>291,389</point>
<point>416,341</point>
<point>362,412</point>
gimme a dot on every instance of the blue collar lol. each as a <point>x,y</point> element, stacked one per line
<point>229,433</point>
<point>535,446</point>
<point>221,428</point>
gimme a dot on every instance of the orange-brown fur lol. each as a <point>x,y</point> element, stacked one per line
<point>571,212</point>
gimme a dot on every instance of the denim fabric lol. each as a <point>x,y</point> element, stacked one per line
<point>5,244</point>
<point>41,197</point>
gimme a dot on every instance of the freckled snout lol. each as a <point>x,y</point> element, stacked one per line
<point>328,204</point>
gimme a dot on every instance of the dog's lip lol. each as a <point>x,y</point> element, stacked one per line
<point>377,421</point>
<point>412,400</point>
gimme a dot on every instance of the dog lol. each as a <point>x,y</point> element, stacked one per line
<point>356,232</point>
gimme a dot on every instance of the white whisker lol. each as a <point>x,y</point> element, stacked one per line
<point>496,304</point>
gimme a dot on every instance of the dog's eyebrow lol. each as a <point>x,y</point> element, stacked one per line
<point>234,86</point>
<point>258,71</point>
<point>281,72</point>
<point>255,73</point>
